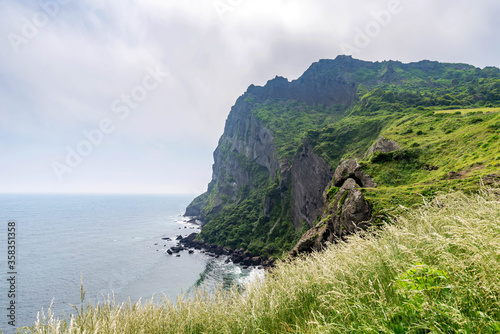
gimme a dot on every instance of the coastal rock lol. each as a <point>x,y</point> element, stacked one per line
<point>383,145</point>
<point>176,249</point>
<point>348,213</point>
<point>236,256</point>
<point>350,169</point>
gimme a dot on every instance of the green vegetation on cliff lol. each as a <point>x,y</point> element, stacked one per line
<point>340,107</point>
<point>432,270</point>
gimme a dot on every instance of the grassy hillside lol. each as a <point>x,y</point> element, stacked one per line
<point>432,270</point>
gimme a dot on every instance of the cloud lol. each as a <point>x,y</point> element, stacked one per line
<point>65,77</point>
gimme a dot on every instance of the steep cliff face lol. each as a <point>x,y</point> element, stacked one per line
<point>245,147</point>
<point>245,135</point>
<point>310,176</point>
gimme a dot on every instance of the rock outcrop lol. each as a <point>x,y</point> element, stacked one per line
<point>310,175</point>
<point>239,256</point>
<point>348,213</point>
<point>326,82</point>
<point>383,145</point>
<point>350,169</point>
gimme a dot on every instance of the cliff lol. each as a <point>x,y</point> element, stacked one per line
<point>273,166</point>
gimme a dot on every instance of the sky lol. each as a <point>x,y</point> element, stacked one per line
<point>131,96</point>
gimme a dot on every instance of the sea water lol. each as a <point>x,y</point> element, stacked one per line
<point>111,243</point>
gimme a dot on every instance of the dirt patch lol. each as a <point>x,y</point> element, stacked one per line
<point>463,174</point>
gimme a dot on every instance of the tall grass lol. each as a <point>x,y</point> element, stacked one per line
<point>435,269</point>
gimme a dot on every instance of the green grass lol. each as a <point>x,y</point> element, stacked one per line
<point>466,111</point>
<point>434,269</point>
<point>433,147</point>
<point>289,121</point>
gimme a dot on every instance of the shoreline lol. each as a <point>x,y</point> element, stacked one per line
<point>239,256</point>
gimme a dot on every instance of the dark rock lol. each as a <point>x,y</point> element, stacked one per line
<point>179,237</point>
<point>169,252</point>
<point>178,255</point>
<point>348,213</point>
<point>166,238</point>
<point>219,250</point>
<point>383,145</point>
<point>191,251</point>
<point>189,239</point>
<point>237,258</point>
<point>176,249</point>
<point>350,169</point>
<point>430,168</point>
<point>310,175</point>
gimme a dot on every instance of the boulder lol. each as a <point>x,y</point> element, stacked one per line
<point>350,169</point>
<point>348,213</point>
<point>176,249</point>
<point>383,145</point>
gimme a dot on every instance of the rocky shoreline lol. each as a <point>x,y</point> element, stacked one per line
<point>238,256</point>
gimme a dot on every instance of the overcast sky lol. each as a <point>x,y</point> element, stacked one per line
<point>131,96</point>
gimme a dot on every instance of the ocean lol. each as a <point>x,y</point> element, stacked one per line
<point>113,243</point>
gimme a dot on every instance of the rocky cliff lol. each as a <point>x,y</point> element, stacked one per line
<point>282,142</point>
<point>247,144</point>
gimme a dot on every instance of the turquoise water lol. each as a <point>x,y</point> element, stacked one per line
<point>112,241</point>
